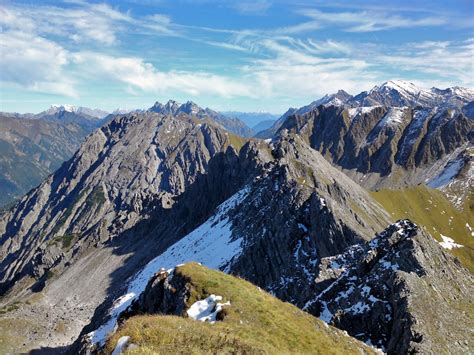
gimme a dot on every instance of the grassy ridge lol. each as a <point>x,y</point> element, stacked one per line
<point>430,209</point>
<point>256,322</point>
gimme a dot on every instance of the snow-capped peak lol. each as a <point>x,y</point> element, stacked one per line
<point>66,107</point>
<point>403,85</point>
<point>398,85</point>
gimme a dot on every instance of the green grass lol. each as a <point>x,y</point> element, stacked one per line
<point>236,141</point>
<point>255,322</point>
<point>65,241</point>
<point>430,209</point>
<point>10,307</point>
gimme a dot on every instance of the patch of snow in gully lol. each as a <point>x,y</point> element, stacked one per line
<point>209,244</point>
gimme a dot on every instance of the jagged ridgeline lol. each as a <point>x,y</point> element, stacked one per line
<point>151,190</point>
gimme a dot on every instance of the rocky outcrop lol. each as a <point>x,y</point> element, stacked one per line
<point>164,294</point>
<point>400,292</point>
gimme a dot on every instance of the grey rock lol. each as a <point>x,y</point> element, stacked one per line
<point>401,292</point>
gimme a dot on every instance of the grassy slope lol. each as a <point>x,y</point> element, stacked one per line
<point>431,209</point>
<point>256,322</point>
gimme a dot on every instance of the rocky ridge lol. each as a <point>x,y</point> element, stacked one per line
<point>131,201</point>
<point>400,292</point>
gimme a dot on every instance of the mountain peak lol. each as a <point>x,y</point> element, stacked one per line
<point>398,85</point>
<point>65,107</point>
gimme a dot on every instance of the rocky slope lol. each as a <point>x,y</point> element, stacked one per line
<point>232,124</point>
<point>400,292</point>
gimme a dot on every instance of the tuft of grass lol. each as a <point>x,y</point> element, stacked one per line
<point>255,322</point>
<point>236,141</point>
<point>10,307</point>
<point>431,209</point>
<point>65,241</point>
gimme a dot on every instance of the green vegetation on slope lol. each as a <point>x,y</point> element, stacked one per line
<point>255,322</point>
<point>430,208</point>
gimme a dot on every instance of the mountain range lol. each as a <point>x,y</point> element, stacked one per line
<point>92,257</point>
<point>40,143</point>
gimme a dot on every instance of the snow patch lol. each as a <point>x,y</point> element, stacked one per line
<point>448,243</point>
<point>206,310</point>
<point>358,111</point>
<point>393,116</point>
<point>121,344</point>
<point>447,175</point>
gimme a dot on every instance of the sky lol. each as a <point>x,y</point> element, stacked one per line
<point>258,55</point>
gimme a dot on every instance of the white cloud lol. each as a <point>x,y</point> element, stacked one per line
<point>300,71</point>
<point>34,63</point>
<point>446,61</point>
<point>139,74</point>
<point>83,23</point>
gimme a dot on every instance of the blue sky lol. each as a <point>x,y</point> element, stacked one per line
<point>259,55</point>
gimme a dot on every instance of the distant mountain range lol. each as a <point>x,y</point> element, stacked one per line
<point>396,93</point>
<point>257,121</point>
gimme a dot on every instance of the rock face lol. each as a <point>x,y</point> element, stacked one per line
<point>400,292</point>
<point>386,146</point>
<point>232,124</point>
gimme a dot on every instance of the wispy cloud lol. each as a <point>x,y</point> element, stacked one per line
<point>448,61</point>
<point>296,71</point>
<point>84,22</point>
<point>361,21</point>
<point>256,7</point>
